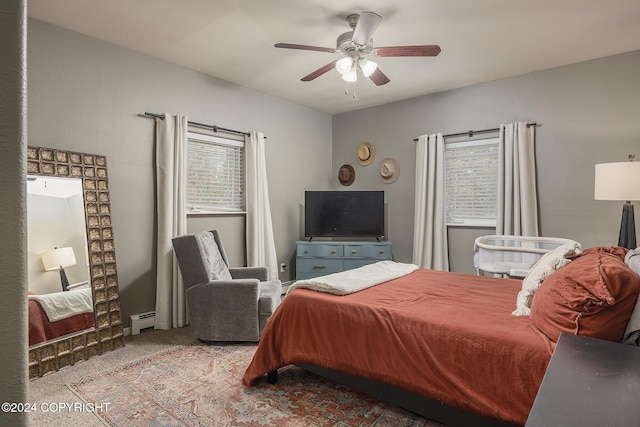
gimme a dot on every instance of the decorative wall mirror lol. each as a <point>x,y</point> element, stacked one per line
<point>80,239</point>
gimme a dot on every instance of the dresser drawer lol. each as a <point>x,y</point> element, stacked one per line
<point>368,251</point>
<point>319,250</point>
<point>350,264</point>
<point>318,267</point>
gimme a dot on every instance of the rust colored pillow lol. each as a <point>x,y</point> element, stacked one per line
<point>618,251</point>
<point>593,296</point>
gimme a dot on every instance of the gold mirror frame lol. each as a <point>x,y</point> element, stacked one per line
<point>107,333</point>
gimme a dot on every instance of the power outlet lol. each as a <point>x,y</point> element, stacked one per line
<point>283,267</point>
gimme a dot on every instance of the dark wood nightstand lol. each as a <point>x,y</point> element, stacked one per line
<point>589,382</point>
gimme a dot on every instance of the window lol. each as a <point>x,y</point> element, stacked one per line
<point>471,182</point>
<point>215,174</point>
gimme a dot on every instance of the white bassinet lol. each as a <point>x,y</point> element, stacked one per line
<point>512,256</point>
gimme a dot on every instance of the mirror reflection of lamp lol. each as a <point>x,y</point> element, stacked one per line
<point>57,259</point>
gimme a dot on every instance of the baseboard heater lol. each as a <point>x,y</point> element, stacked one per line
<point>142,321</point>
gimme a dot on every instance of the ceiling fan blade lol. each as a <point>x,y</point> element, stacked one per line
<point>320,71</point>
<point>379,78</point>
<point>367,24</point>
<point>425,50</point>
<point>304,47</point>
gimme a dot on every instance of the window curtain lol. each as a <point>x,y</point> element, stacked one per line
<point>517,192</point>
<point>261,248</point>
<point>430,248</point>
<point>171,162</point>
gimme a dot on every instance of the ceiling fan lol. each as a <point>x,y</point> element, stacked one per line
<point>356,45</point>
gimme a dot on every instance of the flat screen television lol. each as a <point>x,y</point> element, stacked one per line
<point>344,214</point>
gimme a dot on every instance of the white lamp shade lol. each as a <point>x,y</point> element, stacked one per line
<point>617,181</point>
<point>368,67</point>
<point>58,257</point>
<point>344,65</point>
<point>351,76</point>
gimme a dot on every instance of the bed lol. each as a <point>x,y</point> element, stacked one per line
<point>447,341</point>
<point>58,314</point>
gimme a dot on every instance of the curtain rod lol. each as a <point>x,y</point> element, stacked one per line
<point>196,124</point>
<point>470,133</point>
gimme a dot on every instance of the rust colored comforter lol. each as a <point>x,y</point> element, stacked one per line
<point>450,337</point>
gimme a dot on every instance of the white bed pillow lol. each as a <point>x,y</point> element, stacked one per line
<point>632,333</point>
<point>632,259</point>
<point>543,268</point>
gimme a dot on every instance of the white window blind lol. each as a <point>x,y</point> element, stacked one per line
<point>471,182</point>
<point>215,174</point>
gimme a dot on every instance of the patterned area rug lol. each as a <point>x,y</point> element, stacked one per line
<point>200,385</point>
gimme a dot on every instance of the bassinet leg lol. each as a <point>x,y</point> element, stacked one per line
<point>272,377</point>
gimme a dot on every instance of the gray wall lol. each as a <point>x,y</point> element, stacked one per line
<point>85,95</point>
<point>588,114</point>
<point>13,244</point>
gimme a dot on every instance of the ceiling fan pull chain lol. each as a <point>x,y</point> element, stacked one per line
<point>354,90</point>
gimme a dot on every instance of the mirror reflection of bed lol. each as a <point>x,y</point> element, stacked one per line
<point>60,295</point>
<point>70,248</point>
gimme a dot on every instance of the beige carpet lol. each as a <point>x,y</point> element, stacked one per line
<point>52,388</point>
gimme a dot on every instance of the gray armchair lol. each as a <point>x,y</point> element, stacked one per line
<point>225,304</point>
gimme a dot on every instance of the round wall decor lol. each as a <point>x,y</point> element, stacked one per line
<point>366,153</point>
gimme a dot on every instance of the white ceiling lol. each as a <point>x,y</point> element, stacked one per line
<point>481,40</point>
<point>54,187</point>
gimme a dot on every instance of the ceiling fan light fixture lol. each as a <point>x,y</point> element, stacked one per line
<point>344,65</point>
<point>354,45</point>
<point>350,76</point>
<point>368,67</point>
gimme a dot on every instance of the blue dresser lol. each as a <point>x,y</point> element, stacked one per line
<point>315,259</point>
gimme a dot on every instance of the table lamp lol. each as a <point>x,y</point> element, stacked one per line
<point>58,258</point>
<point>620,181</point>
